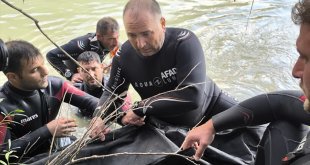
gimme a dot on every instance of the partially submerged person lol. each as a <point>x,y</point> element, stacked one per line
<point>166,66</point>
<point>285,111</point>
<point>91,62</point>
<point>104,42</point>
<point>93,77</point>
<point>30,102</point>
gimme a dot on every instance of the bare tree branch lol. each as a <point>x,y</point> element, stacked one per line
<point>130,153</point>
<point>248,20</point>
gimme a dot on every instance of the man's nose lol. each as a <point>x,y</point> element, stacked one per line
<point>115,42</point>
<point>298,69</point>
<point>92,73</point>
<point>44,71</point>
<point>140,42</point>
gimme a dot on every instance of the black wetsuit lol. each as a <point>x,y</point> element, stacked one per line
<point>97,92</point>
<point>284,109</point>
<point>40,107</point>
<point>74,48</point>
<point>174,86</point>
<point>172,83</point>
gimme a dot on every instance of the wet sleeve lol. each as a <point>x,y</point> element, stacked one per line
<point>23,144</point>
<point>74,48</point>
<point>114,91</point>
<point>80,98</point>
<point>191,80</point>
<point>64,90</point>
<point>265,108</point>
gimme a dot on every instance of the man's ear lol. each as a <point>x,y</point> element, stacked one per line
<point>163,23</point>
<point>12,77</point>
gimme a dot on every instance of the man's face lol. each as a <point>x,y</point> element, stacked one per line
<point>145,32</point>
<point>33,76</point>
<point>96,70</point>
<point>301,69</point>
<point>109,40</point>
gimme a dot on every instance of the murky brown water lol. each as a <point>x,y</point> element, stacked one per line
<point>244,56</point>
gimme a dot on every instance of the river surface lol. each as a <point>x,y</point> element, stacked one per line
<point>247,52</point>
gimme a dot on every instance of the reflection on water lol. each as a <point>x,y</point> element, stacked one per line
<point>257,61</point>
<point>245,55</point>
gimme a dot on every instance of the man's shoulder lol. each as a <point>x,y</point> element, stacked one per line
<point>58,84</point>
<point>54,78</point>
<point>7,99</point>
<point>55,81</point>
<point>84,42</point>
<point>126,48</point>
<point>179,33</point>
<point>79,85</point>
<point>87,37</point>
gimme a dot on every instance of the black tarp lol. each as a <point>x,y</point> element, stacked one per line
<point>151,138</point>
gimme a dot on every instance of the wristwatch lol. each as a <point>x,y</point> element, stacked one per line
<point>137,109</point>
<point>68,74</point>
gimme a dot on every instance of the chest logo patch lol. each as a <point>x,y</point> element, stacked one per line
<point>166,77</point>
<point>23,121</point>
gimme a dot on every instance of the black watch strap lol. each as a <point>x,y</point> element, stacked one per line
<point>137,109</point>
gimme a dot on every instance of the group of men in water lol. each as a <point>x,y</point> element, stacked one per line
<point>166,67</point>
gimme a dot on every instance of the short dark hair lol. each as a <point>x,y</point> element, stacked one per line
<point>106,24</point>
<point>18,51</point>
<point>88,56</point>
<point>301,12</point>
<point>150,5</point>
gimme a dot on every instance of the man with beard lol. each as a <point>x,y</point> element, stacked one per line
<point>93,77</point>
<point>90,61</point>
<point>287,111</point>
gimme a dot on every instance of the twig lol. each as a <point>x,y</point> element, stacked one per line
<point>248,20</point>
<point>54,133</point>
<point>28,148</point>
<point>71,151</point>
<point>129,153</point>
<point>187,75</point>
